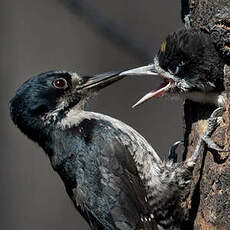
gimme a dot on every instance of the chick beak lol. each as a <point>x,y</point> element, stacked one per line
<point>149,70</point>
<point>158,92</point>
<point>140,71</point>
<point>100,81</point>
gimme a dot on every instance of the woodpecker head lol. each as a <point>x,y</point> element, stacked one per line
<point>45,99</point>
<point>188,63</point>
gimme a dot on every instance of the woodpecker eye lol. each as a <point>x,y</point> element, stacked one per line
<point>60,83</point>
<point>174,70</point>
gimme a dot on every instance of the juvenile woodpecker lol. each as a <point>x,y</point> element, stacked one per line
<point>113,176</point>
<point>190,67</point>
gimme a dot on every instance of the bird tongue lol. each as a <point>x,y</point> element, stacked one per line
<point>158,92</point>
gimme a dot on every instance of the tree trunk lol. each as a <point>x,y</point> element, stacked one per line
<point>210,16</point>
<point>208,201</point>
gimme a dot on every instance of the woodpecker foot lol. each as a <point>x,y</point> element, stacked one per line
<point>217,112</point>
<point>213,122</point>
<point>187,21</point>
<point>172,151</point>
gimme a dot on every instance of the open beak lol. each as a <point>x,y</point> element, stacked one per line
<point>149,70</point>
<point>99,81</point>
<point>158,92</point>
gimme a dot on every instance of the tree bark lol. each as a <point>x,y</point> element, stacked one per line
<point>208,202</point>
<point>210,16</point>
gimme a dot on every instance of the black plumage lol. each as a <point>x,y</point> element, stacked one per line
<point>191,55</point>
<point>85,149</point>
<point>190,66</point>
<point>113,176</point>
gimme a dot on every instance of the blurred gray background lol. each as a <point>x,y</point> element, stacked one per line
<point>38,36</point>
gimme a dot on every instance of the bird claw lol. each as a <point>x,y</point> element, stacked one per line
<point>172,151</point>
<point>206,137</point>
<point>213,122</point>
<point>211,144</point>
<point>217,112</point>
<point>187,21</point>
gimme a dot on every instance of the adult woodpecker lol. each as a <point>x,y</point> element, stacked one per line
<point>113,176</point>
<point>92,153</point>
<point>190,66</point>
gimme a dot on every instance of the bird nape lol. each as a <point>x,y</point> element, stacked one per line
<point>190,67</point>
<point>113,176</point>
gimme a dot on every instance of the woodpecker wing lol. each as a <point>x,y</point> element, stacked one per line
<point>100,175</point>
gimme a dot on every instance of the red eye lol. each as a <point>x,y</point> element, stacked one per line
<point>60,83</point>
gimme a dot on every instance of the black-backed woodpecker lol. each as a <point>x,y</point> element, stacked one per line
<point>190,66</point>
<point>92,153</point>
<point>113,176</point>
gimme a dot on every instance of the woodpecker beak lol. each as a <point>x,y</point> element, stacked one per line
<point>143,70</point>
<point>100,81</point>
<point>150,70</point>
<point>158,92</point>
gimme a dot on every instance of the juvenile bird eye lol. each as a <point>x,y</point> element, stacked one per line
<point>174,70</point>
<point>60,83</point>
